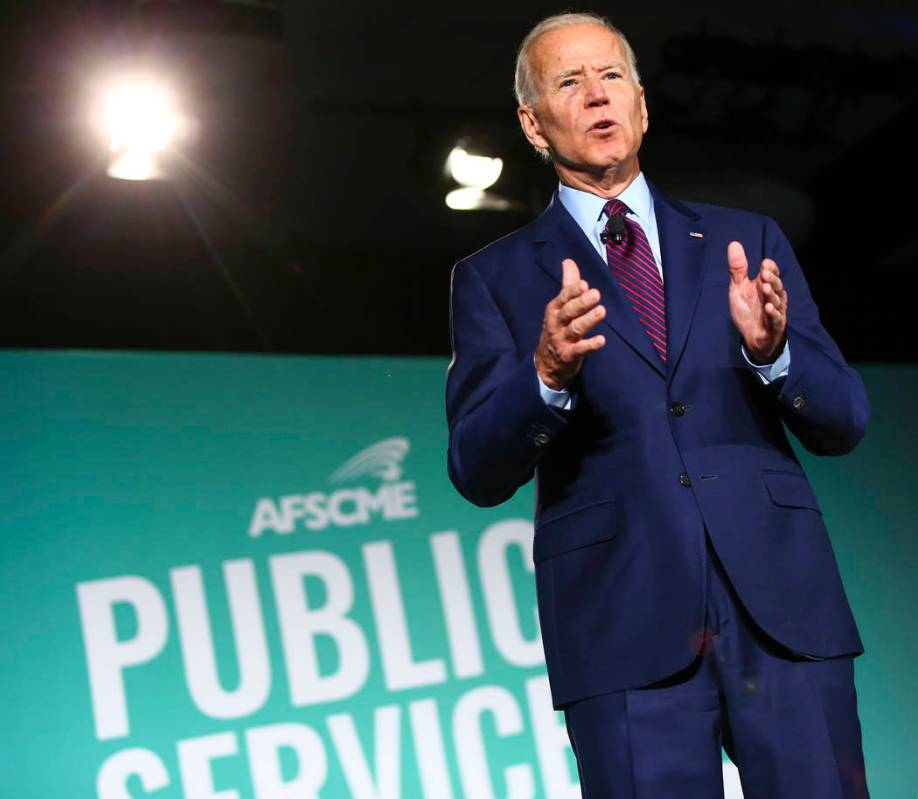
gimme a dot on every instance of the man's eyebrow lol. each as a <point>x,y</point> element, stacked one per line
<point>570,73</point>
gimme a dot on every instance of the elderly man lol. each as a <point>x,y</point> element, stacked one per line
<point>622,349</point>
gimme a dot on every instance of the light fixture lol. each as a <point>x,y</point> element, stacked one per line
<point>474,173</point>
<point>469,199</point>
<point>140,120</point>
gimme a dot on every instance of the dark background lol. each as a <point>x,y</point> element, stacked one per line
<point>309,216</point>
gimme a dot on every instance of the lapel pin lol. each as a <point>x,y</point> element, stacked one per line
<point>696,235</point>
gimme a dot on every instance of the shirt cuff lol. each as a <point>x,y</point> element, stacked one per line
<point>555,399</point>
<point>770,372</point>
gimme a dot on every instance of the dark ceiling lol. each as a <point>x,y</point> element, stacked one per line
<point>309,215</point>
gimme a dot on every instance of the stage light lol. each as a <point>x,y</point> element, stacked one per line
<point>140,117</point>
<point>473,171</point>
<point>468,199</point>
<point>464,199</point>
<point>131,165</point>
<point>140,120</point>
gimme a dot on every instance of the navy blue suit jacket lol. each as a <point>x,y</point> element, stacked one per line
<point>626,486</point>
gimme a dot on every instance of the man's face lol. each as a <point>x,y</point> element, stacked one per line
<point>590,110</point>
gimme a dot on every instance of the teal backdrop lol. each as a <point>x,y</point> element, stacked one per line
<point>249,577</point>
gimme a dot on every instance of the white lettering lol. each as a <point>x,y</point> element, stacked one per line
<point>387,738</point>
<point>375,503</point>
<point>267,517</point>
<point>195,756</point>
<point>300,624</point>
<point>197,639</point>
<point>315,509</point>
<point>453,582</point>
<point>343,508</point>
<point>497,585</point>
<point>470,748</point>
<point>429,750</point>
<point>106,656</point>
<point>293,507</point>
<point>358,511</point>
<point>264,745</point>
<point>400,669</point>
<point>111,782</point>
<point>556,758</point>
<point>402,501</point>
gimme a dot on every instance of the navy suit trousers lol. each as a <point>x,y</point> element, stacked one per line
<point>788,722</point>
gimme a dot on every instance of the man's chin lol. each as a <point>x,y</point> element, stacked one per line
<point>582,158</point>
<point>595,164</point>
<point>605,156</point>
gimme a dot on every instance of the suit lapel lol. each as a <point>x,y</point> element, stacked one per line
<point>562,238</point>
<point>683,262</point>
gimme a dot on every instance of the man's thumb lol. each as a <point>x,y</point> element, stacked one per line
<point>736,260</point>
<point>570,273</point>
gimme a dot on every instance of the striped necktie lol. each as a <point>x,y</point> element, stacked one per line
<point>631,261</point>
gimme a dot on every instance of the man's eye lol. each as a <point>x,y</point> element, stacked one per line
<point>612,75</point>
<point>565,83</point>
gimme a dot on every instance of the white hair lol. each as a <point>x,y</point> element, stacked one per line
<point>524,86</point>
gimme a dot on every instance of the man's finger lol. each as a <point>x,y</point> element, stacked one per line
<point>768,293</point>
<point>736,260</point>
<point>578,306</point>
<point>588,345</point>
<point>770,265</point>
<point>570,292</point>
<point>582,325</point>
<point>772,279</point>
<point>570,273</point>
<point>775,318</point>
<point>775,295</point>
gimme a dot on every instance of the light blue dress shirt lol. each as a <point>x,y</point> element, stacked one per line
<point>587,208</point>
<point>587,211</point>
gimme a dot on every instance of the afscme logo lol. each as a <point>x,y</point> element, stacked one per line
<point>392,499</point>
<point>383,460</point>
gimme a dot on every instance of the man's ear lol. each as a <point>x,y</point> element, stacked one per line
<point>532,130</point>
<point>645,118</point>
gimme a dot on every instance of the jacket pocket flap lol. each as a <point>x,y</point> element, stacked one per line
<point>580,527</point>
<point>790,490</point>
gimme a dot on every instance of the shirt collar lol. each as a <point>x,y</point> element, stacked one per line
<point>586,208</point>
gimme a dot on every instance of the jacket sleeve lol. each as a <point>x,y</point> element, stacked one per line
<point>499,424</point>
<point>822,400</point>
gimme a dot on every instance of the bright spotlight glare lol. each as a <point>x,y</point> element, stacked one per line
<point>139,118</point>
<point>132,165</point>
<point>468,199</point>
<point>464,199</point>
<point>473,171</point>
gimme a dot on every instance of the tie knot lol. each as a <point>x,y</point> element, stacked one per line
<point>615,208</point>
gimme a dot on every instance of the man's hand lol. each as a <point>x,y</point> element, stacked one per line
<point>758,307</point>
<point>568,318</point>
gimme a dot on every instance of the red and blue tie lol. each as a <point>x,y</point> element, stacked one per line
<point>631,261</point>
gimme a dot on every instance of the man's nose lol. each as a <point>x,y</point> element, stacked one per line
<point>595,92</point>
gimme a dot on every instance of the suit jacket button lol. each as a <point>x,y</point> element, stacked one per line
<point>541,439</point>
<point>685,480</point>
<point>677,409</point>
<point>798,402</point>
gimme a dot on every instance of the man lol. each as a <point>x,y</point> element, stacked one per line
<point>621,349</point>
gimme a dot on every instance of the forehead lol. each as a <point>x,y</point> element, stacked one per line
<point>573,46</point>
